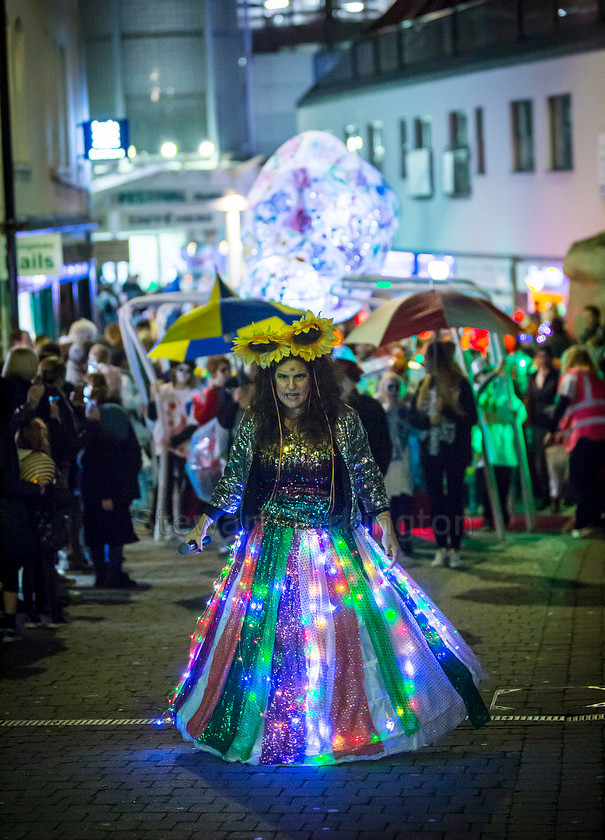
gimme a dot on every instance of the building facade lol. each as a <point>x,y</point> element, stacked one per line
<point>490,128</point>
<point>47,104</point>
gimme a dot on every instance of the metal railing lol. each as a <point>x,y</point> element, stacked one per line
<point>482,28</point>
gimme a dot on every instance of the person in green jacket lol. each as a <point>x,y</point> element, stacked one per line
<point>500,412</point>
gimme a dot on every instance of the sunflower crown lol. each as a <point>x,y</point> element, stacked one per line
<point>310,337</point>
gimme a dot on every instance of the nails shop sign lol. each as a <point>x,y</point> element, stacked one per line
<point>35,255</point>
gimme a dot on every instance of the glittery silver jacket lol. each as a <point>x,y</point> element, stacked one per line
<point>365,479</point>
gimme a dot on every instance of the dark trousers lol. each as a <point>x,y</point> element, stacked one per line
<point>586,465</point>
<point>402,510</point>
<point>503,477</point>
<point>189,507</point>
<point>536,456</point>
<point>444,478</point>
<point>108,567</point>
<point>40,584</point>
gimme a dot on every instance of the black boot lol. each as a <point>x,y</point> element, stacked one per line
<point>97,555</point>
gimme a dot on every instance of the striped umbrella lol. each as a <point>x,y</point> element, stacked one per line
<point>210,329</point>
<point>433,310</point>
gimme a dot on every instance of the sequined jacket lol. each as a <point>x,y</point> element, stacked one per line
<point>361,478</point>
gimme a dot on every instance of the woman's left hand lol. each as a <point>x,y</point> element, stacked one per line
<point>389,540</point>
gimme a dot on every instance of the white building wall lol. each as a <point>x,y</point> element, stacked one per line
<point>48,102</point>
<point>528,214</point>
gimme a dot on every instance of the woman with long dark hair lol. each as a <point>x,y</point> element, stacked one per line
<point>444,407</point>
<point>316,646</point>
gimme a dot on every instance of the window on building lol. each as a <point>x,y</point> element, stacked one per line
<point>559,123</point>
<point>419,160</point>
<point>376,144</point>
<point>353,138</point>
<point>522,124</point>
<point>479,141</point>
<point>458,127</point>
<point>403,145</point>
<point>455,163</point>
<point>422,133</point>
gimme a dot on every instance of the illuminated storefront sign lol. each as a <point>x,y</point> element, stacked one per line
<point>435,267</point>
<point>544,277</point>
<point>105,139</point>
<point>36,255</point>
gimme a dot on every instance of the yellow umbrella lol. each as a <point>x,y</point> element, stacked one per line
<point>209,330</point>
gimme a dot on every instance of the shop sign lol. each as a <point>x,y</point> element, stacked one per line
<point>150,196</point>
<point>183,217</point>
<point>105,139</point>
<point>35,255</point>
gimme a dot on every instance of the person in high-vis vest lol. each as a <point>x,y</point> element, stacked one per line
<point>580,415</point>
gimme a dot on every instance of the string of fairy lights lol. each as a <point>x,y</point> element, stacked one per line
<point>341,581</point>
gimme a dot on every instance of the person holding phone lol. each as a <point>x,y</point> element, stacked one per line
<point>64,423</point>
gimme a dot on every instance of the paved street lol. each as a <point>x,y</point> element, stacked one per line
<point>82,760</point>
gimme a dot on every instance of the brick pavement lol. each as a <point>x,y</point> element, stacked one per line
<point>532,609</point>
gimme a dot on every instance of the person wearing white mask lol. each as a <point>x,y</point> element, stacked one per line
<point>175,424</point>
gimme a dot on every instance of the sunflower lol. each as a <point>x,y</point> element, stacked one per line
<point>261,344</point>
<point>311,336</point>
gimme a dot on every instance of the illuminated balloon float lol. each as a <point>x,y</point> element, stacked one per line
<point>316,214</point>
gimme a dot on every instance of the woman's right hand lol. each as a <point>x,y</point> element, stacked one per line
<point>198,532</point>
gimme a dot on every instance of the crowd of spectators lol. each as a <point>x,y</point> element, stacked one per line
<point>80,445</point>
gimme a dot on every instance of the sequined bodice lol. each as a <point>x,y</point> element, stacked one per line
<point>301,496</point>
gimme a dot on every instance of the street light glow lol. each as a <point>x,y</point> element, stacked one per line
<point>438,270</point>
<point>168,149</point>
<point>206,149</point>
<point>273,5</point>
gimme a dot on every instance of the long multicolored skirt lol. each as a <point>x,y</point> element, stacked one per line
<point>312,652</point>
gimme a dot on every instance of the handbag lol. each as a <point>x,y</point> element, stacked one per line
<point>51,526</point>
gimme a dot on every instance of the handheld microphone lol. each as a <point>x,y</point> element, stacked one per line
<point>192,547</point>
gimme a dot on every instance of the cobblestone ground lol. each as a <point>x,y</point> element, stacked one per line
<point>532,608</point>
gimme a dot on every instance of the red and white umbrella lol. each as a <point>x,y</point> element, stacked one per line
<point>433,310</point>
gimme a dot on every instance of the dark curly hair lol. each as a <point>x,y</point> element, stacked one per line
<point>311,423</point>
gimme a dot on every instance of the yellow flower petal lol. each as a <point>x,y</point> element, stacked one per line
<point>258,344</point>
<point>311,336</point>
